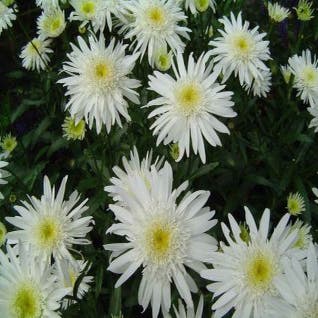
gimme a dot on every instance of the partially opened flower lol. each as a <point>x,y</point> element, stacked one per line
<point>50,226</point>
<point>35,55</point>
<point>98,82</point>
<point>28,288</point>
<point>189,105</point>
<point>154,24</point>
<point>244,271</point>
<point>163,238</point>
<point>240,50</point>
<point>276,12</point>
<point>51,23</point>
<point>196,6</point>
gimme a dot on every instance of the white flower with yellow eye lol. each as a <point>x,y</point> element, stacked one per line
<point>188,106</point>
<point>155,24</point>
<point>98,82</point>
<point>305,71</point>
<point>51,23</point>
<point>35,54</point>
<point>28,289</point>
<point>50,226</point>
<point>240,50</point>
<point>89,11</point>
<point>163,237</point>
<point>244,271</point>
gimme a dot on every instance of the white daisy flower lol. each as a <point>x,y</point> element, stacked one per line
<point>27,287</point>
<point>3,174</point>
<point>98,82</point>
<point>299,288</point>
<point>67,272</point>
<point>155,23</point>
<point>7,15</point>
<point>163,238</point>
<point>50,226</point>
<point>262,85</point>
<point>314,122</point>
<point>188,105</point>
<point>199,5</point>
<point>133,167</point>
<point>305,70</point>
<point>240,50</point>
<point>244,271</point>
<point>181,312</point>
<point>277,12</point>
<point>51,23</point>
<point>35,54</point>
<point>89,11</point>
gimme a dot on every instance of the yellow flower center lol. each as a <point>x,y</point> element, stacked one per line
<point>103,71</point>
<point>156,17</point>
<point>49,232</point>
<point>26,302</point>
<point>34,47</point>
<point>160,241</point>
<point>242,46</point>
<point>202,5</point>
<point>310,76</point>
<point>88,8</point>
<point>260,272</point>
<point>189,98</point>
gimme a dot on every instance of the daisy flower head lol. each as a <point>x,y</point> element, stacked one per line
<point>7,15</point>
<point>98,82</point>
<point>35,54</point>
<point>305,71</point>
<point>164,238</point>
<point>196,6</point>
<point>304,10</point>
<point>132,167</point>
<point>51,23</point>
<point>67,272</point>
<point>295,204</point>
<point>240,50</point>
<point>276,12</point>
<point>182,312</point>
<point>188,105</point>
<point>298,286</point>
<point>49,226</point>
<point>155,24</point>
<point>89,11</point>
<point>27,286</point>
<point>244,270</point>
